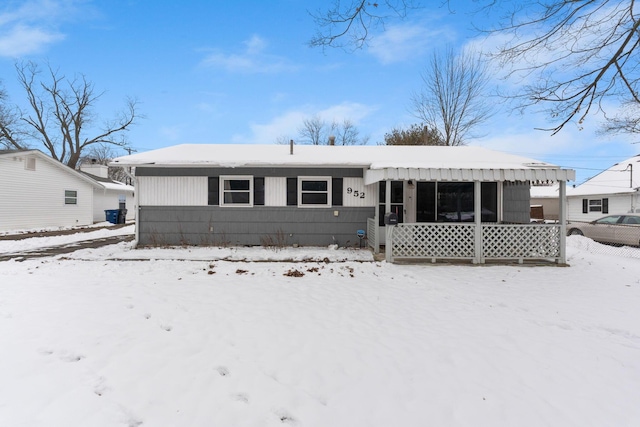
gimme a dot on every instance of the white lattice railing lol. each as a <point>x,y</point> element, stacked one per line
<point>457,241</point>
<point>433,241</point>
<point>523,241</point>
<point>372,229</point>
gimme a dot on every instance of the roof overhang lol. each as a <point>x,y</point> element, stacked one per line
<point>372,176</point>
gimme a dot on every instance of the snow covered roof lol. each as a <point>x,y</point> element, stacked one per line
<point>621,178</point>
<point>545,191</point>
<point>95,181</point>
<point>380,162</point>
<point>108,183</point>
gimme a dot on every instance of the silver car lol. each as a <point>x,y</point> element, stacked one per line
<point>623,229</point>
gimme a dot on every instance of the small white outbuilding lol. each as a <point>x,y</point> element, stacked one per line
<point>38,192</point>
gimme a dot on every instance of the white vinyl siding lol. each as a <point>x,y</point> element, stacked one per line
<point>275,191</point>
<point>110,199</point>
<point>618,204</point>
<point>353,190</point>
<point>36,198</point>
<point>173,190</point>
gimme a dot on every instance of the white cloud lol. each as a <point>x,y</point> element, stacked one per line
<point>23,40</point>
<point>286,125</point>
<point>412,40</point>
<point>255,45</point>
<point>33,26</point>
<point>347,110</point>
<point>253,59</point>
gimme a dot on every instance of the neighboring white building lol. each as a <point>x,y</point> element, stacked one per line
<point>39,192</point>
<point>613,191</point>
<point>109,194</point>
<point>545,198</point>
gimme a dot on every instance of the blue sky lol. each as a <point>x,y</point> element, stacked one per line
<point>242,72</point>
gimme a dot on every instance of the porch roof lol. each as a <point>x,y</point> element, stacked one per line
<point>382,173</point>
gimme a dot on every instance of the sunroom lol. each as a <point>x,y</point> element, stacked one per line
<point>474,214</point>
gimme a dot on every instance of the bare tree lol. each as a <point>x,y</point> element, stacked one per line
<point>60,114</point>
<point>414,135</point>
<point>313,131</point>
<point>316,131</point>
<point>347,24</point>
<point>580,53</point>
<point>8,120</point>
<point>577,53</point>
<point>347,133</point>
<point>452,99</point>
<point>626,120</point>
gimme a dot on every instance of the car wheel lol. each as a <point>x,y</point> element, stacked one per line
<point>575,232</point>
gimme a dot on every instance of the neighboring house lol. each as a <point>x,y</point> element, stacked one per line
<point>545,204</point>
<point>39,192</point>
<point>613,191</point>
<point>109,194</point>
<point>450,202</point>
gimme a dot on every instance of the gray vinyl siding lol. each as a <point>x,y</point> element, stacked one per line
<point>516,202</point>
<point>216,226</point>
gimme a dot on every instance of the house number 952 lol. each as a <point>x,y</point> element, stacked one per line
<point>355,193</point>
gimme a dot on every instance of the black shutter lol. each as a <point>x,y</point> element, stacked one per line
<point>605,206</point>
<point>336,192</point>
<point>292,191</point>
<point>585,205</point>
<point>214,190</point>
<point>258,191</point>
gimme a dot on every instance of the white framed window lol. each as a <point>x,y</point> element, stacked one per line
<point>314,191</point>
<point>236,190</point>
<point>70,197</point>
<point>595,205</point>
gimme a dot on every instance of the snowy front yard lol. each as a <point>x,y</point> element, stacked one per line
<point>121,337</point>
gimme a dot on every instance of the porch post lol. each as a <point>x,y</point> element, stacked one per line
<point>387,197</point>
<point>387,229</point>
<point>388,253</point>
<point>562,214</point>
<point>477,215</point>
<point>376,218</point>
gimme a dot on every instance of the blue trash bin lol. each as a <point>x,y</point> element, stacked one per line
<point>112,215</point>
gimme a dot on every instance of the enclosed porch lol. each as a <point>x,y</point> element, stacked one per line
<point>475,215</point>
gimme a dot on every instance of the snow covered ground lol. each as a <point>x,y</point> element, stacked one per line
<point>34,243</point>
<point>247,337</point>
